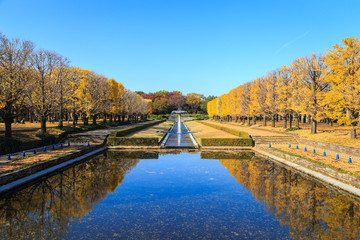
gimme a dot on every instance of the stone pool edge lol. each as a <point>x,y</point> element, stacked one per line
<point>338,184</point>
<point>20,177</point>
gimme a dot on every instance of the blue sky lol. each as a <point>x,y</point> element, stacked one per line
<point>202,46</point>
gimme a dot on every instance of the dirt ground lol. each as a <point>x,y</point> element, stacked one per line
<point>26,132</point>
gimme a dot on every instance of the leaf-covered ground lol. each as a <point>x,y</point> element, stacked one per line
<point>37,158</point>
<point>329,159</point>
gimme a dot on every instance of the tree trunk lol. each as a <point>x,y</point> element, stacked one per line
<point>43,125</point>
<point>94,119</point>
<point>290,120</point>
<point>313,126</point>
<point>68,118</point>
<point>248,120</point>
<point>253,120</point>
<point>8,122</point>
<point>264,120</point>
<point>31,117</point>
<point>104,118</point>
<point>353,133</point>
<point>74,116</point>
<point>273,120</point>
<point>111,117</point>
<point>284,121</point>
<point>297,122</point>
<point>61,116</point>
<point>86,120</point>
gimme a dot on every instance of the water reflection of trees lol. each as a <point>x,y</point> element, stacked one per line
<point>308,208</point>
<point>44,210</point>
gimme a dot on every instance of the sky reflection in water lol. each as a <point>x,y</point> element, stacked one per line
<point>180,197</point>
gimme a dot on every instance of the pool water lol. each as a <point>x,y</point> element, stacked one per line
<point>181,195</point>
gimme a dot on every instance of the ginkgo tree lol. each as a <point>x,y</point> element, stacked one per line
<point>15,75</point>
<point>309,72</point>
<point>342,73</point>
<point>284,94</point>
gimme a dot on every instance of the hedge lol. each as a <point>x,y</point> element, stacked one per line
<point>228,130</point>
<point>132,141</point>
<point>9,145</point>
<point>126,131</point>
<point>114,155</point>
<point>226,155</point>
<point>46,138</point>
<point>226,142</point>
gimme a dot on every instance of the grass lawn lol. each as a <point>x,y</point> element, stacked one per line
<point>206,131</point>
<point>249,130</point>
<point>153,131</point>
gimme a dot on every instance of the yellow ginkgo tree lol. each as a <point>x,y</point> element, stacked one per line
<point>284,94</point>
<point>343,76</point>
<point>308,72</point>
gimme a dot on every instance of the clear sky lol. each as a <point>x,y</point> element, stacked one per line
<point>203,46</point>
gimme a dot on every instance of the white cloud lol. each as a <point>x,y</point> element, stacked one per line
<point>291,42</point>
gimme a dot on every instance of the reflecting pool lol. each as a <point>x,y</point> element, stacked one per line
<point>180,195</point>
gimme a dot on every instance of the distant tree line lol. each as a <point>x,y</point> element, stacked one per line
<point>38,84</point>
<point>312,89</point>
<point>163,102</point>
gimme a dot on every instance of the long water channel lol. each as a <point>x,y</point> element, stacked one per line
<point>179,195</point>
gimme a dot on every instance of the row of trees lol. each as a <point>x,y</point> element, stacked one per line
<point>42,83</point>
<point>315,87</point>
<point>164,101</point>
